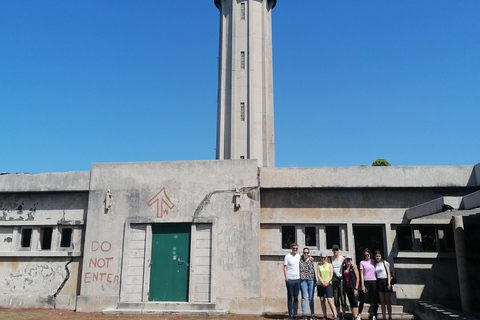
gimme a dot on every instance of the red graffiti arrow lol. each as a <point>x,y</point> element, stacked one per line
<point>161,198</point>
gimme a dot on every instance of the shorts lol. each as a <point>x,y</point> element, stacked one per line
<point>325,291</point>
<point>382,285</point>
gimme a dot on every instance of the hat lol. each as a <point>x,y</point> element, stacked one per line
<point>323,253</point>
<point>348,257</point>
<point>335,247</point>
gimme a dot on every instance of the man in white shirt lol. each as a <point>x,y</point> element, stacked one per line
<point>291,270</point>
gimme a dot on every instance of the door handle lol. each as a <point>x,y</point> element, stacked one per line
<point>180,261</point>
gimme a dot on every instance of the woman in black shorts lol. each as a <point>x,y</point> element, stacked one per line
<point>351,281</point>
<point>384,287</point>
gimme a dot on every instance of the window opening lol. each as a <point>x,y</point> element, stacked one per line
<point>429,241</point>
<point>288,236</point>
<point>242,11</point>
<point>404,238</point>
<point>46,238</point>
<point>310,236</point>
<point>333,235</point>
<point>26,237</point>
<point>242,59</point>
<point>66,238</point>
<point>242,111</point>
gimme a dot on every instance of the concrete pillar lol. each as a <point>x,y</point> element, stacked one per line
<point>461,255</point>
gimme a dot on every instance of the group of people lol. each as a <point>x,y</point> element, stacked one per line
<point>335,281</point>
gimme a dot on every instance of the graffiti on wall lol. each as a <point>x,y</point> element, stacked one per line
<point>101,265</point>
<point>160,199</point>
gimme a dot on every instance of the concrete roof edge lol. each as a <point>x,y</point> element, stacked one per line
<point>369,177</point>
<point>46,182</point>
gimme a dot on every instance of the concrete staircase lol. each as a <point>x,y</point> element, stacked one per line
<point>397,312</point>
<point>165,308</point>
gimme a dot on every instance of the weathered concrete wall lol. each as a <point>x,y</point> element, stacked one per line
<point>349,197</point>
<point>44,182</point>
<point>39,282</point>
<point>31,275</point>
<point>198,192</point>
<point>369,177</point>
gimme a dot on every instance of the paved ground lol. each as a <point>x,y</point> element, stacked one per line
<point>41,314</point>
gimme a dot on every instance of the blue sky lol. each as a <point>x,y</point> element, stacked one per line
<point>114,81</point>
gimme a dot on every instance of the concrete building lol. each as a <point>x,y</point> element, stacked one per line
<point>211,235</point>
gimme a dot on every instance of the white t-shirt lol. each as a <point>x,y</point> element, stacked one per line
<point>337,266</point>
<point>380,270</point>
<point>293,266</point>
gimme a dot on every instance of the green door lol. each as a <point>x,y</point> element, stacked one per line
<point>170,262</point>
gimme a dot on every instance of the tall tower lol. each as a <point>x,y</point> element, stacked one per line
<point>245,81</point>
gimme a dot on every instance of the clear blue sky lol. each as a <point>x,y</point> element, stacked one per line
<point>113,81</point>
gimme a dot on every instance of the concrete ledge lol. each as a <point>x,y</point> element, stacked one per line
<point>471,200</point>
<point>433,311</point>
<point>369,177</point>
<point>432,207</point>
<point>45,182</point>
<point>165,308</point>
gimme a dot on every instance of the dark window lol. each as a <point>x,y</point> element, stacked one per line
<point>66,238</point>
<point>46,238</point>
<point>333,235</point>
<point>450,241</point>
<point>404,238</point>
<point>429,240</point>
<point>311,236</point>
<point>288,236</point>
<point>445,238</point>
<point>26,237</point>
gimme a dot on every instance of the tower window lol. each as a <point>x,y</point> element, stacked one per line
<point>242,59</point>
<point>242,111</point>
<point>242,10</point>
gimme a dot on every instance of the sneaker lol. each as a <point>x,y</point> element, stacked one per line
<point>304,318</point>
<point>358,317</point>
<point>313,317</point>
<point>374,318</point>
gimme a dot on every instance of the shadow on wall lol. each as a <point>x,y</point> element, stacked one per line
<point>435,280</point>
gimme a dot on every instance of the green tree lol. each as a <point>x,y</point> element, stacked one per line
<point>381,162</point>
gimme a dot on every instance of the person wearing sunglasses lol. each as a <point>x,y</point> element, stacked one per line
<point>324,285</point>
<point>307,283</point>
<point>337,281</point>
<point>291,271</point>
<point>368,279</point>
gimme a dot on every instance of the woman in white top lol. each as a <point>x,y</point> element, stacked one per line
<point>384,287</point>
<point>337,281</point>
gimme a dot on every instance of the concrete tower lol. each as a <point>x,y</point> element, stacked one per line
<point>245,81</point>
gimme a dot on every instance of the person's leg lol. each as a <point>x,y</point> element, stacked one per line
<point>324,307</point>
<point>296,290</point>
<point>329,291</point>
<point>289,297</point>
<point>343,298</point>
<point>351,300</point>
<point>303,290</point>
<point>362,298</point>
<point>388,302</point>
<point>375,298</point>
<point>381,295</point>
<point>311,289</point>
<point>335,287</point>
